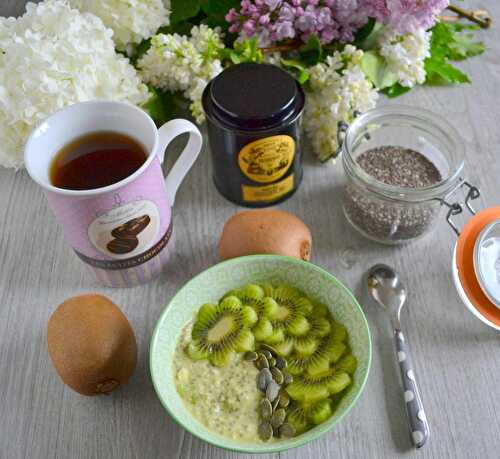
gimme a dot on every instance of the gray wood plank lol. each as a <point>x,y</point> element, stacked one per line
<point>457,358</point>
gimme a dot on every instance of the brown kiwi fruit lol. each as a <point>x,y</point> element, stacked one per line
<point>265,231</point>
<point>91,344</point>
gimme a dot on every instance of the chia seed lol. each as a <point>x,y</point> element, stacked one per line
<point>385,220</point>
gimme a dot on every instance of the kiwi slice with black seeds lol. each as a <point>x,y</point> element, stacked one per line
<point>305,346</point>
<point>221,330</point>
<point>254,295</point>
<point>285,348</point>
<point>309,388</point>
<point>348,364</point>
<point>292,311</point>
<point>298,419</point>
<point>314,413</point>
<point>263,329</point>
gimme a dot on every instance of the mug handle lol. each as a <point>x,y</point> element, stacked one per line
<point>167,133</point>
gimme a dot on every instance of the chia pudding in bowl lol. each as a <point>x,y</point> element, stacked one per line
<point>261,354</point>
<point>400,164</point>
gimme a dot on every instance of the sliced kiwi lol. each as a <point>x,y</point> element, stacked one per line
<point>348,364</point>
<point>284,348</point>
<point>320,310</point>
<point>320,411</point>
<point>292,310</point>
<point>305,346</point>
<point>252,291</point>
<point>338,332</point>
<point>313,413</point>
<point>309,388</point>
<point>327,351</point>
<point>298,419</point>
<point>221,330</point>
<point>263,329</point>
<point>276,337</point>
<point>320,326</point>
<point>253,295</point>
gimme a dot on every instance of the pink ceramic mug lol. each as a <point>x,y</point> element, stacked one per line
<point>140,205</point>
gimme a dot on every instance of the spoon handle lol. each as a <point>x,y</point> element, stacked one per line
<point>419,428</point>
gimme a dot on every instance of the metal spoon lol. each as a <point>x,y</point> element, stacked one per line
<point>387,290</point>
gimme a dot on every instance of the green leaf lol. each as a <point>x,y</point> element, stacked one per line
<point>216,11</point>
<point>181,28</point>
<point>450,42</point>
<point>455,41</point>
<point>375,68</point>
<point>296,68</point>
<point>371,40</point>
<point>395,90</point>
<point>243,51</point>
<point>440,72</point>
<point>164,105</point>
<point>464,46</point>
<point>363,33</point>
<point>183,10</point>
<point>311,52</point>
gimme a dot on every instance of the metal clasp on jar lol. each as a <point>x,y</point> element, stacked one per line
<point>342,127</point>
<point>456,208</point>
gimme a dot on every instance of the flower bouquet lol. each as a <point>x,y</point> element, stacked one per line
<point>160,55</point>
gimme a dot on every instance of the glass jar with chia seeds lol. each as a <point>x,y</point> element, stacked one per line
<point>400,164</point>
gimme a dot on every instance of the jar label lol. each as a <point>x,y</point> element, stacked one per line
<point>267,192</point>
<point>267,160</point>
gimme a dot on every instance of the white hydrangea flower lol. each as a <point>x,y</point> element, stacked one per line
<point>338,88</point>
<point>181,63</point>
<point>131,20</point>
<point>405,55</point>
<point>52,57</point>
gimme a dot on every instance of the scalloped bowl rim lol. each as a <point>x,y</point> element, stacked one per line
<point>233,445</point>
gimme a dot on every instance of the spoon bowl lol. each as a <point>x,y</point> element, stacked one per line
<point>386,288</point>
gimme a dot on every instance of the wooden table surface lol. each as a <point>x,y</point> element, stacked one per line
<point>457,358</point>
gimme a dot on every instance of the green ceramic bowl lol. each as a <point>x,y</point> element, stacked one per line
<point>209,286</point>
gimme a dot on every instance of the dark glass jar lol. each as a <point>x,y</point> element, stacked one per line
<point>253,116</point>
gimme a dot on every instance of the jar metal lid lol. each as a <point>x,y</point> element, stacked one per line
<point>477,263</point>
<point>253,96</point>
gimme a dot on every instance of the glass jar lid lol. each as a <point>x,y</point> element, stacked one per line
<point>253,96</point>
<point>478,263</point>
<point>487,261</point>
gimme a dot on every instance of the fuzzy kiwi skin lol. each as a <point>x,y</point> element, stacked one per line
<point>265,231</point>
<point>91,344</point>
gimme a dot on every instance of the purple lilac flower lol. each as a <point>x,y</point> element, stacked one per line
<point>410,15</point>
<point>277,20</point>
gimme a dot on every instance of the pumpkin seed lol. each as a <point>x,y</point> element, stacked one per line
<point>277,375</point>
<point>268,348</point>
<point>276,402</point>
<point>261,362</point>
<point>263,379</point>
<point>278,418</point>
<point>250,356</point>
<point>281,363</point>
<point>288,378</point>
<point>287,430</point>
<point>265,431</point>
<point>284,400</point>
<point>266,409</point>
<point>267,354</point>
<point>272,390</point>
